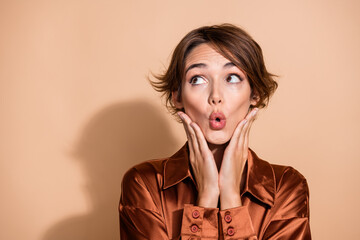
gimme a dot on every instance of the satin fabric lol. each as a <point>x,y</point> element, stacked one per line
<point>158,202</point>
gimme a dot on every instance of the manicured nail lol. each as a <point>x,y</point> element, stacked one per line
<point>245,121</point>
<point>255,112</point>
<point>180,115</point>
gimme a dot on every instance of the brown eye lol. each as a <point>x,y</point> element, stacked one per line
<point>196,80</point>
<point>233,78</point>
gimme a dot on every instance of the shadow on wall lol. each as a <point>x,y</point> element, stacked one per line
<point>115,139</point>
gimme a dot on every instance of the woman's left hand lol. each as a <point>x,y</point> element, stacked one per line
<point>233,163</point>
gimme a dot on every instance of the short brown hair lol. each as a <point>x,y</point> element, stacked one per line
<point>234,44</point>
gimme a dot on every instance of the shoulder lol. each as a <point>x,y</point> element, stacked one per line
<point>144,172</point>
<point>276,177</point>
<point>148,167</point>
<point>287,187</point>
<point>142,181</point>
<point>286,176</point>
<point>291,192</point>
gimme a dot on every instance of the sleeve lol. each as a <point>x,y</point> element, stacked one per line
<point>140,218</point>
<point>290,214</point>
<point>199,223</point>
<point>287,220</point>
<point>236,224</point>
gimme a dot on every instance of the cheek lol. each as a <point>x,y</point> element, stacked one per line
<point>241,110</point>
<point>194,105</point>
<point>239,105</point>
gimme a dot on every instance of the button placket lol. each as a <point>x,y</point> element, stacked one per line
<point>195,214</point>
<point>194,228</point>
<point>228,218</point>
<point>194,218</point>
<point>230,231</point>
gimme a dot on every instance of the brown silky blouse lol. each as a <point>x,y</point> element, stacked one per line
<point>158,202</point>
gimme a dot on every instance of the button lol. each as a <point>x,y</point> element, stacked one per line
<point>194,228</point>
<point>227,218</point>
<point>230,231</point>
<point>195,214</point>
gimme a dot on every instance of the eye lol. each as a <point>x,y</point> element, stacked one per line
<point>196,80</point>
<point>233,78</point>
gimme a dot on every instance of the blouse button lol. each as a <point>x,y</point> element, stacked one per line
<point>230,231</point>
<point>228,218</point>
<point>194,228</point>
<point>195,214</point>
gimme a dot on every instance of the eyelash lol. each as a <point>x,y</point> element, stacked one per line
<point>237,75</point>
<point>231,74</point>
<point>193,78</point>
<point>191,81</point>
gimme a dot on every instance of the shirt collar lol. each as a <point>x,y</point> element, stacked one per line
<point>177,167</point>
<point>260,178</point>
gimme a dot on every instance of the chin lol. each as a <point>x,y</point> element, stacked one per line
<point>217,139</point>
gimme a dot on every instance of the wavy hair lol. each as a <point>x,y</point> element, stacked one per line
<point>233,43</point>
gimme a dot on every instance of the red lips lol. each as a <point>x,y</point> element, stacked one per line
<point>217,121</point>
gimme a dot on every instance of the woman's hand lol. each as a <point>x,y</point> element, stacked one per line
<point>203,164</point>
<point>233,163</point>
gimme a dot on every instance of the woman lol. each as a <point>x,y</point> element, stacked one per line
<point>215,187</point>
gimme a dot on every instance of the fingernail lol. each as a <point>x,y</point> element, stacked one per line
<point>255,111</point>
<point>180,115</point>
<point>245,121</point>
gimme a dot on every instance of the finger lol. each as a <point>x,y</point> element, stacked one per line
<point>252,114</point>
<point>193,144</point>
<point>244,138</point>
<point>187,131</point>
<point>247,133</point>
<point>251,117</point>
<point>238,131</point>
<point>191,131</point>
<point>235,137</point>
<point>203,146</point>
<point>185,125</point>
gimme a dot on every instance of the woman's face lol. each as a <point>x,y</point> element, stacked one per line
<point>215,93</point>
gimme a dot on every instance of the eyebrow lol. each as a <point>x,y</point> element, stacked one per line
<point>203,65</point>
<point>196,65</point>
<point>229,64</point>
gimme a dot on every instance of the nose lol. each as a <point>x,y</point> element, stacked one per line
<point>215,96</point>
<point>215,100</point>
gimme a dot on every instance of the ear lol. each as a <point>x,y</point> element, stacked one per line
<point>254,99</point>
<point>176,99</point>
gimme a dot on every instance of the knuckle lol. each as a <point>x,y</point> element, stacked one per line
<point>192,135</point>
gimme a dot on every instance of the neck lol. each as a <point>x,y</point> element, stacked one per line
<point>218,153</point>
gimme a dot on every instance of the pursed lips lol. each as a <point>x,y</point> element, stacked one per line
<point>217,120</point>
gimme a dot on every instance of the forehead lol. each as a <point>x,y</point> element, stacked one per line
<point>204,53</point>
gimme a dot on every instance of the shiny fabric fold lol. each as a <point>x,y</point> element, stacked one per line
<point>158,201</point>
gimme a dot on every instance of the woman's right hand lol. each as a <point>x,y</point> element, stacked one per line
<point>203,164</point>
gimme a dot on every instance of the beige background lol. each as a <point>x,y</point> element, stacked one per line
<point>76,110</point>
